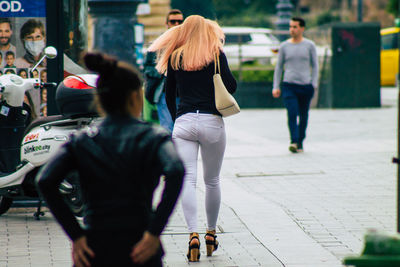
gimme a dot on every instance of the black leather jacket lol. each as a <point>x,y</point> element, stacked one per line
<point>154,85</point>
<point>119,165</point>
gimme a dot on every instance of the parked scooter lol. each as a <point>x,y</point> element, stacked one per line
<point>24,147</point>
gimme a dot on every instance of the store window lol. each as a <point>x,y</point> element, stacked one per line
<point>75,35</point>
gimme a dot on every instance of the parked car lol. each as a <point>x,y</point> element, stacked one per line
<point>389,55</point>
<point>250,44</point>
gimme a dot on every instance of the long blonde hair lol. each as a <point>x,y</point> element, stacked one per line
<point>191,45</point>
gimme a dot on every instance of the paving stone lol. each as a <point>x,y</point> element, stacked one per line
<point>306,209</point>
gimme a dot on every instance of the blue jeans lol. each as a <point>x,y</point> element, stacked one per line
<point>163,114</point>
<point>297,100</point>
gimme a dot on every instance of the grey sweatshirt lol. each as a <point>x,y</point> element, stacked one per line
<point>299,61</point>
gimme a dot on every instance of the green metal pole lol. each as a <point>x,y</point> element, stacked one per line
<point>55,37</point>
<point>396,160</point>
<point>359,10</point>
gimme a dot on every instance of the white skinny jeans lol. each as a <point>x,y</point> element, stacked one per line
<point>207,131</point>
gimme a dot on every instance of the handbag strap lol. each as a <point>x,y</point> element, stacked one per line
<point>216,63</point>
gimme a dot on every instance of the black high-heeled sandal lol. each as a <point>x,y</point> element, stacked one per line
<point>194,249</point>
<point>212,245</point>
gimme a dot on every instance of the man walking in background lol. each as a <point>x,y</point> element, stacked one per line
<point>154,91</point>
<point>298,57</point>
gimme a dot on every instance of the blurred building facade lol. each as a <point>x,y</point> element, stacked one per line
<point>154,23</point>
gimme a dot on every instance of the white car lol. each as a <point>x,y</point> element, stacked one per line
<point>250,44</point>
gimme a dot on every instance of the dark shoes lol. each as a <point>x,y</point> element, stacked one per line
<point>194,247</point>
<point>211,242</point>
<point>300,148</point>
<point>295,148</point>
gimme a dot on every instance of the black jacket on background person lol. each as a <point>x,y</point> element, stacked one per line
<point>154,81</point>
<point>119,165</point>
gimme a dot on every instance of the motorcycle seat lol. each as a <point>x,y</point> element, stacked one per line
<point>42,120</point>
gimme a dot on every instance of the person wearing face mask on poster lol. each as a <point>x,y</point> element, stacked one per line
<point>33,37</point>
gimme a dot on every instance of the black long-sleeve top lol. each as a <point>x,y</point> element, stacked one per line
<point>119,168</point>
<point>196,88</point>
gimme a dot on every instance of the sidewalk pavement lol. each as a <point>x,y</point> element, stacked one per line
<point>278,209</point>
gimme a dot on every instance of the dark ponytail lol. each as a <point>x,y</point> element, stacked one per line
<point>116,81</point>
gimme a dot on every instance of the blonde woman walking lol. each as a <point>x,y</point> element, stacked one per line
<point>186,54</point>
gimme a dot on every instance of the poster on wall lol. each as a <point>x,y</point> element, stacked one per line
<point>22,40</point>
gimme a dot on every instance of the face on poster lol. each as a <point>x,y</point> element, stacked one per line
<point>22,36</point>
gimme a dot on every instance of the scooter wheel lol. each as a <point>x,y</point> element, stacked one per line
<point>5,204</point>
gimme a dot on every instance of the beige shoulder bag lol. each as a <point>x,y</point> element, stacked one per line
<point>224,101</point>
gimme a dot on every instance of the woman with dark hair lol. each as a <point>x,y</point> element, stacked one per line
<point>119,163</point>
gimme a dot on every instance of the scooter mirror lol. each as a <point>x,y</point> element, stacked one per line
<point>50,52</point>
